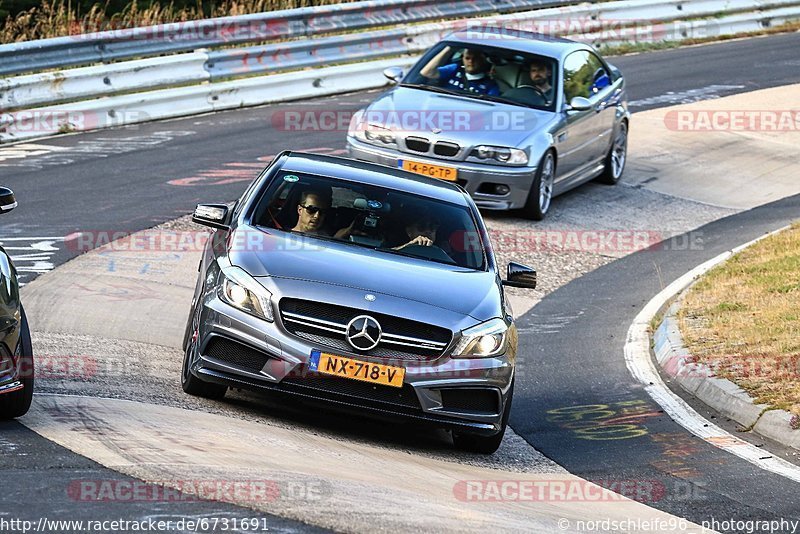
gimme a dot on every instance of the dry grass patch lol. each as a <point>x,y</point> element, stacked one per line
<point>743,320</point>
<point>59,18</point>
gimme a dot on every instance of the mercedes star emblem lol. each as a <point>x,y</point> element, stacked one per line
<point>363,333</point>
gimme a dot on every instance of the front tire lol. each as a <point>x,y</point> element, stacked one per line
<point>18,403</point>
<point>190,383</point>
<point>541,194</point>
<point>616,157</point>
<point>485,444</point>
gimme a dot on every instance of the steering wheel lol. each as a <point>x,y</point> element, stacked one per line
<point>538,90</point>
<point>433,252</point>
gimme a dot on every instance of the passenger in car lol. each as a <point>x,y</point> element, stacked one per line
<point>312,208</point>
<point>472,74</point>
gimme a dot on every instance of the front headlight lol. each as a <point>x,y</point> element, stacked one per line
<point>511,156</point>
<point>483,340</point>
<point>370,132</point>
<point>242,291</point>
<point>377,134</point>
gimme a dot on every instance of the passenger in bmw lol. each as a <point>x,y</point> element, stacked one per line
<point>471,74</point>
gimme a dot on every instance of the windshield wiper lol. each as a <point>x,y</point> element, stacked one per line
<point>500,99</point>
<point>432,88</point>
<point>408,255</point>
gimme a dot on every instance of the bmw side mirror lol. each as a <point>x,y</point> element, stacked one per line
<point>7,200</point>
<point>394,74</point>
<point>213,215</point>
<point>520,276</point>
<point>579,103</point>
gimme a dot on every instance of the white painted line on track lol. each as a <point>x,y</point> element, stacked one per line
<point>641,366</point>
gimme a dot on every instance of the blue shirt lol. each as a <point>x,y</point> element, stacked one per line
<point>454,75</point>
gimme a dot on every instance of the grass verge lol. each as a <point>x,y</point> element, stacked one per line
<point>743,320</point>
<point>59,18</point>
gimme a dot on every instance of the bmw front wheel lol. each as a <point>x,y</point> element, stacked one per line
<point>541,193</point>
<point>616,157</point>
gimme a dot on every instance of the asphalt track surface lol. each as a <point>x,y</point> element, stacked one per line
<point>579,362</point>
<point>119,180</point>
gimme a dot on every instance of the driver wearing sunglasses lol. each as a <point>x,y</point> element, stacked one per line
<point>311,212</point>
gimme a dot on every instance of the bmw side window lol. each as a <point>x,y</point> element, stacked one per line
<point>600,76</point>
<point>578,76</point>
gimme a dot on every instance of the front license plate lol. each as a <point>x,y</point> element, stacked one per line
<point>434,171</point>
<point>331,364</point>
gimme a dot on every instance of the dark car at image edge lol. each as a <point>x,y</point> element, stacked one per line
<point>16,349</point>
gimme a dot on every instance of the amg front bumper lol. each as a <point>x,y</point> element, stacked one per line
<point>242,351</point>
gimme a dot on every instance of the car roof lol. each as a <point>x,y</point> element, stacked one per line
<point>373,174</point>
<point>523,41</point>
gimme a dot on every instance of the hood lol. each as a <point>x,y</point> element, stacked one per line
<point>283,255</point>
<point>467,121</point>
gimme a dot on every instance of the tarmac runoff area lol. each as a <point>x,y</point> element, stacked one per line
<point>108,326</point>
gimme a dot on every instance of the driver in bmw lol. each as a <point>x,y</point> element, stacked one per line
<point>539,73</point>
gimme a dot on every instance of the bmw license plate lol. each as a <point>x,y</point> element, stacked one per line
<point>331,364</point>
<point>434,171</point>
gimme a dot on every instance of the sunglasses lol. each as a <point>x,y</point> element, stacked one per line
<point>313,210</point>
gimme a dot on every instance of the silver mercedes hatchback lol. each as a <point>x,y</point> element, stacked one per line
<point>515,118</point>
<point>369,288</point>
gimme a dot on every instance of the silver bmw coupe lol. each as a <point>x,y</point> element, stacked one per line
<point>515,118</point>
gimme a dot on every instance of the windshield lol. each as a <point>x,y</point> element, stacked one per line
<point>377,218</point>
<point>487,73</point>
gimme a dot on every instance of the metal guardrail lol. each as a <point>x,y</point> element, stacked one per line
<point>126,43</point>
<point>103,80</point>
<point>557,21</point>
<point>606,23</point>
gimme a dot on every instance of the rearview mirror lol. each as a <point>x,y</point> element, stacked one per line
<point>394,74</point>
<point>213,215</point>
<point>520,276</point>
<point>7,200</point>
<point>579,103</point>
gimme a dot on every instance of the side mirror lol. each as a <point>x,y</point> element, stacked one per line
<point>520,276</point>
<point>213,215</point>
<point>7,200</point>
<point>579,103</point>
<point>394,74</point>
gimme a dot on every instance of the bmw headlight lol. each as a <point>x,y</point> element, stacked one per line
<point>510,156</point>
<point>483,340</point>
<point>375,134</point>
<point>369,132</point>
<point>242,291</point>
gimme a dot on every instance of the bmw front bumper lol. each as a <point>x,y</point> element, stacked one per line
<point>474,177</point>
